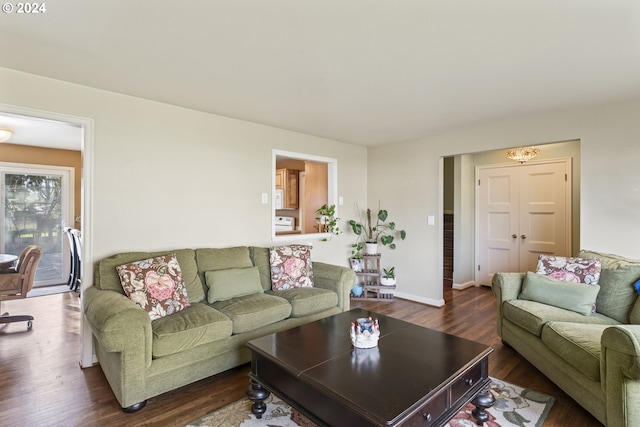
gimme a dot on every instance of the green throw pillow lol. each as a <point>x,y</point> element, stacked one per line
<point>232,282</point>
<point>617,294</point>
<point>577,297</point>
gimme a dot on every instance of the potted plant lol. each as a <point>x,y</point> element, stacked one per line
<point>356,250</point>
<point>388,277</point>
<point>371,233</point>
<point>327,220</point>
<point>357,290</point>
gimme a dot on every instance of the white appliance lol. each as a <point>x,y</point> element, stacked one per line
<point>278,199</point>
<point>285,223</point>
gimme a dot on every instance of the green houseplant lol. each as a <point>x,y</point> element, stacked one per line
<point>388,277</point>
<point>372,233</point>
<point>327,220</point>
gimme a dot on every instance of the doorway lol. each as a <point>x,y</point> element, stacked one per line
<point>82,127</point>
<point>459,186</point>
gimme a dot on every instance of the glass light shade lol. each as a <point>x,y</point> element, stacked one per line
<point>5,134</point>
<point>522,154</point>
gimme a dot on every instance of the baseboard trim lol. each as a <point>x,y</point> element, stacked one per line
<point>463,286</point>
<point>428,301</point>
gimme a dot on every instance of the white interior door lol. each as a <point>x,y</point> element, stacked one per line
<point>543,213</point>
<point>498,219</point>
<point>522,211</point>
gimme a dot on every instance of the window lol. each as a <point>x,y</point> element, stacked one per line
<point>302,183</point>
<point>36,203</point>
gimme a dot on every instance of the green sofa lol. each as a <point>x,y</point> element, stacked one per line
<point>142,358</point>
<point>593,357</point>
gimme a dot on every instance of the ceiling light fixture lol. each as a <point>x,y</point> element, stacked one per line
<point>5,134</point>
<point>522,154</point>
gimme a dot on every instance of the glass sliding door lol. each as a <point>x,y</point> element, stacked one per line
<point>35,207</point>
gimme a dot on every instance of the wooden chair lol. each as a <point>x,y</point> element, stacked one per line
<point>16,282</point>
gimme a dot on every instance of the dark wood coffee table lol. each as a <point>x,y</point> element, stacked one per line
<point>415,376</point>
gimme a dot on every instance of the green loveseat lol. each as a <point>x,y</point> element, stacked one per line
<point>594,358</point>
<point>142,358</point>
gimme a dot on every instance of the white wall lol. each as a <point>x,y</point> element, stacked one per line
<point>166,177</point>
<point>406,177</point>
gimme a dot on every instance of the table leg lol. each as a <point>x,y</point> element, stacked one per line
<point>257,394</point>
<point>482,401</point>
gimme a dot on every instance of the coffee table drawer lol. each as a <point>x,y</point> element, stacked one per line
<point>430,412</point>
<point>462,386</point>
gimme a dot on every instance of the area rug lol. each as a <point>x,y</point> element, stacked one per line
<point>515,406</point>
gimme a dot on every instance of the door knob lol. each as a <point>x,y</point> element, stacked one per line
<point>523,237</point>
<point>513,236</point>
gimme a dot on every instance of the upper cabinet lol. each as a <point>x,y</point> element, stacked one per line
<point>287,180</point>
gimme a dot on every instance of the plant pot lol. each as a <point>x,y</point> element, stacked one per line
<point>357,291</point>
<point>371,248</point>
<point>386,281</point>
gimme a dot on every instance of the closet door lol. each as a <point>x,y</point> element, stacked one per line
<point>543,213</point>
<point>498,219</point>
<point>522,211</point>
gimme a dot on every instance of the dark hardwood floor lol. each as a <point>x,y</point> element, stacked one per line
<point>41,383</point>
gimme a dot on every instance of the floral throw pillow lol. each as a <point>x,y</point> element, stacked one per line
<point>155,284</point>
<point>577,270</point>
<point>291,267</point>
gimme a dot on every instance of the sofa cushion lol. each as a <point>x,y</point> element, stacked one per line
<point>194,326</point>
<point>254,311</point>
<point>306,301</point>
<point>210,259</point>
<point>578,344</point>
<point>155,285</point>
<point>106,275</point>
<point>532,316</point>
<point>576,297</point>
<point>617,294</point>
<point>260,258</point>
<point>232,282</point>
<point>291,267</point>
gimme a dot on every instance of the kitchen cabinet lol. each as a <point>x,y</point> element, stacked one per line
<point>287,180</point>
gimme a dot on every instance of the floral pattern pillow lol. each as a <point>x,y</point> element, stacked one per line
<point>291,267</point>
<point>155,285</point>
<point>578,270</point>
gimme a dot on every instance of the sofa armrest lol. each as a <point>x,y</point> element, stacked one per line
<point>620,374</point>
<point>505,286</point>
<point>624,340</point>
<point>118,324</point>
<point>335,278</point>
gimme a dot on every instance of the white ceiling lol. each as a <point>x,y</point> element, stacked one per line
<point>362,71</point>
<point>41,132</point>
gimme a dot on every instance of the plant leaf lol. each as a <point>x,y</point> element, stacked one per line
<point>403,234</point>
<point>382,215</point>
<point>356,227</point>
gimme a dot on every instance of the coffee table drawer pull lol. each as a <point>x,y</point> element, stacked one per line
<point>430,412</point>
<point>462,386</point>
